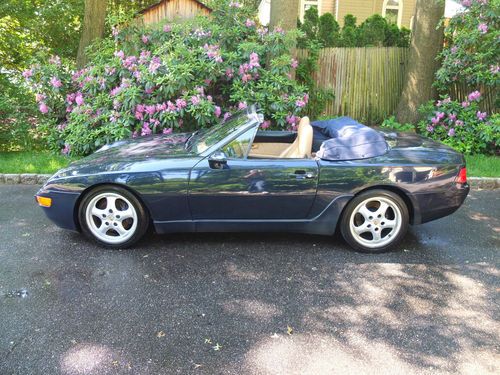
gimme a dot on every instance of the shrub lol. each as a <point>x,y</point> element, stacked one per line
<point>328,30</point>
<point>472,49</point>
<point>462,125</point>
<point>175,77</point>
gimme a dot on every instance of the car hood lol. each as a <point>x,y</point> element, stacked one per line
<point>140,154</point>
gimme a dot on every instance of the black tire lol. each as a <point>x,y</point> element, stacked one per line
<point>399,211</point>
<point>142,216</point>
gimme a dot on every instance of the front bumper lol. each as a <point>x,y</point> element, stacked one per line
<point>62,210</point>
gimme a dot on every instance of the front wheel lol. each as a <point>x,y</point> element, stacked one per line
<point>375,221</point>
<point>113,217</point>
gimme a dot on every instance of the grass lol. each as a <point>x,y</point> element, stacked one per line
<point>41,162</point>
<point>483,166</point>
<point>32,162</point>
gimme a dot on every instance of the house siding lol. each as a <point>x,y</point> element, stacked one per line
<point>173,9</point>
<point>362,9</point>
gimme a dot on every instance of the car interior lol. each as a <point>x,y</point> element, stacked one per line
<point>284,144</point>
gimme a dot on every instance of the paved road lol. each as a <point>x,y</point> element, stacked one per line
<point>222,303</point>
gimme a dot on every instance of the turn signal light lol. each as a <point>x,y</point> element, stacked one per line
<point>462,176</point>
<point>44,201</point>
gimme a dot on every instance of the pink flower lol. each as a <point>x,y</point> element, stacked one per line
<point>145,39</point>
<point>474,96</point>
<point>454,49</point>
<point>139,115</point>
<point>55,82</point>
<point>306,98</point>
<point>227,116</point>
<point>55,60</point>
<point>242,105</point>
<point>481,115</point>
<point>435,120</point>
<point>168,131</point>
<point>79,99</point>
<point>28,73</point>
<point>466,3</point>
<point>266,124</point>
<point>167,28</point>
<point>146,130</point>
<point>39,97</point>
<point>234,4</point>
<point>294,63</point>
<point>43,107</point>
<point>440,115</point>
<point>483,28</point>
<point>171,106</point>
<point>300,103</point>
<point>120,54</point>
<point>180,103</point>
<point>452,117</point>
<point>66,150</point>
<point>465,104</point>
<point>254,60</point>
<point>430,128</point>
<point>249,23</point>
<point>195,100</point>
<point>154,65</point>
<point>150,109</point>
<point>229,73</point>
<point>451,132</point>
<point>459,123</point>
<point>217,111</point>
<point>115,31</point>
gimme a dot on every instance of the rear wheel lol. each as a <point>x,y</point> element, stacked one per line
<point>375,221</point>
<point>113,217</point>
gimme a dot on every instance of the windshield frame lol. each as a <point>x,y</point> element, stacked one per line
<point>254,120</point>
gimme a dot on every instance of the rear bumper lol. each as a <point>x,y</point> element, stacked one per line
<point>436,205</point>
<point>62,210</point>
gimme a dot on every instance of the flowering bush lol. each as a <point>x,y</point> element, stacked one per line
<point>462,125</point>
<point>174,77</point>
<point>471,53</point>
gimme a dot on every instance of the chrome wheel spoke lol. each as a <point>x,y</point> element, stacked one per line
<point>388,223</point>
<point>111,203</point>
<point>363,228</point>
<point>127,214</point>
<point>365,212</point>
<point>98,212</point>
<point>382,209</point>
<point>376,235</point>
<point>120,229</point>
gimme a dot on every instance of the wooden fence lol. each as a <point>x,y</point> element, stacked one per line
<point>367,82</point>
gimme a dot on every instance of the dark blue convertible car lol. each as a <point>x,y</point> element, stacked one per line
<point>326,176</point>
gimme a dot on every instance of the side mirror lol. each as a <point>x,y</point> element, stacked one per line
<point>217,160</point>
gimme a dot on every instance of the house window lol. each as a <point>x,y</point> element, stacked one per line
<point>392,10</point>
<point>306,4</point>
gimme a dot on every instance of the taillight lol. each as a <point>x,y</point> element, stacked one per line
<point>462,176</point>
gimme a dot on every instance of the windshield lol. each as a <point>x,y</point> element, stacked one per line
<point>206,138</point>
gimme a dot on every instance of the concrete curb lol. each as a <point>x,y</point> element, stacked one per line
<point>487,183</point>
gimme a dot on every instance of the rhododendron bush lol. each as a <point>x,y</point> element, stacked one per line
<point>462,125</point>
<point>472,48</point>
<point>169,78</point>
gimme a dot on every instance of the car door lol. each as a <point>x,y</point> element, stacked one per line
<point>245,189</point>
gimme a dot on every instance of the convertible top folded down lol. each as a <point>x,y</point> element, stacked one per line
<point>344,138</point>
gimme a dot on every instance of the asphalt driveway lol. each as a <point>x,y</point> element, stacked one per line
<point>249,303</point>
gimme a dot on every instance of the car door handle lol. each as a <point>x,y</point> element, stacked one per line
<point>302,175</point>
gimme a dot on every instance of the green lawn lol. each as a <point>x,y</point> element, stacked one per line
<point>483,166</point>
<point>32,162</point>
<point>39,162</point>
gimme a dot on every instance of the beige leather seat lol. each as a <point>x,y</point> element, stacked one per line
<point>302,146</point>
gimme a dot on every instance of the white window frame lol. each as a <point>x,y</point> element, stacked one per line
<point>399,8</point>
<point>303,4</point>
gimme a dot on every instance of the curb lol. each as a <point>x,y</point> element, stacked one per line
<point>476,183</point>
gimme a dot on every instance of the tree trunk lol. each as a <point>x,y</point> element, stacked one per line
<point>93,27</point>
<point>284,13</point>
<point>426,43</point>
